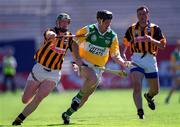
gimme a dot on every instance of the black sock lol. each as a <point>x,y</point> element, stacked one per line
<point>21,117</point>
<point>140,111</point>
<point>71,110</point>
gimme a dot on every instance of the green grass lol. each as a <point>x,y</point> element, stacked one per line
<point>106,108</point>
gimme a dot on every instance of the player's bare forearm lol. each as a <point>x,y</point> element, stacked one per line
<point>76,56</point>
<point>123,54</point>
<point>118,59</point>
<point>158,43</point>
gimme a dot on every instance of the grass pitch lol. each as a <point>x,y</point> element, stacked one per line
<point>105,108</point>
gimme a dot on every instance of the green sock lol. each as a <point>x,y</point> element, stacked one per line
<point>70,111</point>
<point>79,96</point>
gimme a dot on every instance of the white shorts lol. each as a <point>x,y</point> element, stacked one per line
<point>148,63</point>
<point>95,68</point>
<point>40,73</point>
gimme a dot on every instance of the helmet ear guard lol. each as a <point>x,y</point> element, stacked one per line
<point>104,15</point>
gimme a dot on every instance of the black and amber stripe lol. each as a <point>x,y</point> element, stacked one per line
<point>143,47</point>
<point>49,58</point>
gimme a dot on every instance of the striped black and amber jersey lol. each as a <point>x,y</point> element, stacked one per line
<point>51,53</point>
<point>144,47</point>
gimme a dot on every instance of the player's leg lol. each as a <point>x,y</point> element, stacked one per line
<point>13,84</point>
<point>5,82</point>
<point>30,90</point>
<point>153,90</point>
<point>77,102</point>
<point>178,85</point>
<point>44,89</point>
<point>151,74</point>
<point>172,89</point>
<point>88,88</point>
<point>136,78</point>
<point>86,95</point>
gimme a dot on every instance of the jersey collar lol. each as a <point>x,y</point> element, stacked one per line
<point>108,30</point>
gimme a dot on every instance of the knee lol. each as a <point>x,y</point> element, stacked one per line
<point>93,81</point>
<point>137,90</point>
<point>24,101</point>
<point>39,97</point>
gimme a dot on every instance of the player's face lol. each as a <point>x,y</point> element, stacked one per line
<point>64,23</point>
<point>104,25</point>
<point>143,16</point>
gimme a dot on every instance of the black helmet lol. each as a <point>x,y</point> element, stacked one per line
<point>63,16</point>
<point>104,14</point>
<point>60,17</point>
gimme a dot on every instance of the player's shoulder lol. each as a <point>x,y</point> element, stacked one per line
<point>154,25</point>
<point>82,30</point>
<point>112,32</point>
<point>92,25</point>
<point>50,29</point>
<point>88,26</point>
<point>132,25</point>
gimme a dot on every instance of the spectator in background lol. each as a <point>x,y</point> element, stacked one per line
<point>9,69</point>
<point>144,39</point>
<point>175,69</point>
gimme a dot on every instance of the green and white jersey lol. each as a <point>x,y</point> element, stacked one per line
<point>95,47</point>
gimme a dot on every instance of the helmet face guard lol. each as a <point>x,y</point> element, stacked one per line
<point>104,15</point>
<point>60,17</point>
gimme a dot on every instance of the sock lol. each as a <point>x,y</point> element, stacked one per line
<point>21,117</point>
<point>70,111</point>
<point>79,96</point>
<point>140,111</point>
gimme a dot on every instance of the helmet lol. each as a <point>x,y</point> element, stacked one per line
<point>104,14</point>
<point>60,17</point>
<point>63,16</point>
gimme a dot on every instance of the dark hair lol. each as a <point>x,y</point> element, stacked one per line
<point>104,15</point>
<point>142,8</point>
